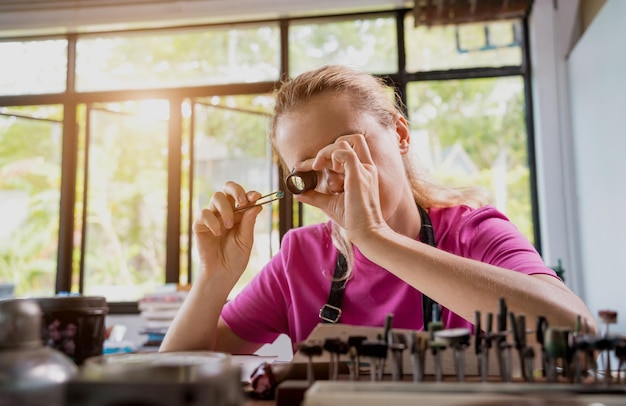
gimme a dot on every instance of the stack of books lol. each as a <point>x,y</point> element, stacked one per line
<point>158,309</point>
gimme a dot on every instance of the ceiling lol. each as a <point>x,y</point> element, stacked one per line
<point>28,17</point>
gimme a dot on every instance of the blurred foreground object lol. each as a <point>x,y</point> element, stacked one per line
<point>30,372</point>
<point>158,379</point>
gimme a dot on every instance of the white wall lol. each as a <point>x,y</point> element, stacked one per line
<point>597,83</point>
<point>553,29</point>
<point>579,91</point>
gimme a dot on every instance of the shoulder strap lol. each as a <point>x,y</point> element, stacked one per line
<point>427,236</point>
<point>331,311</point>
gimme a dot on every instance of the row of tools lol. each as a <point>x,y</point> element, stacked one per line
<point>566,354</point>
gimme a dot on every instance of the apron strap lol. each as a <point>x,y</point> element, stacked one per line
<point>331,311</point>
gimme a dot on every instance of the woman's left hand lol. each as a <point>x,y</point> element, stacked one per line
<point>356,206</point>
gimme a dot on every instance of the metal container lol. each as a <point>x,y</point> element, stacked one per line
<point>30,373</point>
<point>158,379</point>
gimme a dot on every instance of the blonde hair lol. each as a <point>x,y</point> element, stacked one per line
<point>369,94</point>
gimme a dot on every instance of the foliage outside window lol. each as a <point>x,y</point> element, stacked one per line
<point>472,132</point>
<point>464,46</point>
<point>230,143</point>
<point>124,236</point>
<point>30,174</point>
<point>175,59</point>
<point>367,44</point>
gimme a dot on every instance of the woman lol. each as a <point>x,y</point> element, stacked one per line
<point>341,123</point>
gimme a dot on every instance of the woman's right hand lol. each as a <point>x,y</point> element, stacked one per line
<point>225,237</point>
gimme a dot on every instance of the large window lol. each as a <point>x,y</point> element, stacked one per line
<point>103,169</point>
<point>30,175</point>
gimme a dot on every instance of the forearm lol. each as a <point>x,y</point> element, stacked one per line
<point>463,285</point>
<point>195,324</point>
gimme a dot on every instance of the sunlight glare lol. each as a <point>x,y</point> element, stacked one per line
<point>185,109</point>
<point>154,109</point>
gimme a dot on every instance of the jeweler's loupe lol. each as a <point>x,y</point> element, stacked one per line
<point>300,182</point>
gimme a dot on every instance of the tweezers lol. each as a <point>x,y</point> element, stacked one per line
<point>268,198</point>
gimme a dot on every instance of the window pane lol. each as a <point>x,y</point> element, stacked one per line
<point>126,199</point>
<point>33,67</point>
<point>30,179</point>
<point>463,46</point>
<point>367,44</point>
<point>187,58</point>
<point>472,132</point>
<point>231,143</point>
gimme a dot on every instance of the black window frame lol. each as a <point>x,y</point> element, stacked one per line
<point>70,100</point>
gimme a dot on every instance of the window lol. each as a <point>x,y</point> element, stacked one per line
<point>30,175</point>
<point>33,67</point>
<point>369,44</point>
<point>230,143</point>
<point>104,175</point>
<point>469,45</point>
<point>178,58</point>
<point>472,132</point>
<point>124,230</point>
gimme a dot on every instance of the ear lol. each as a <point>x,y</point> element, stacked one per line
<point>404,135</point>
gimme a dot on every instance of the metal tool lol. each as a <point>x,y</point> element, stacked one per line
<point>436,346</point>
<point>555,344</point>
<point>376,351</point>
<point>268,198</point>
<point>518,331</point>
<point>502,346</point>
<point>607,317</point>
<point>542,325</point>
<point>620,353</point>
<point>478,342</point>
<point>387,329</point>
<point>576,351</point>
<point>458,339</point>
<point>487,345</point>
<point>310,350</point>
<point>397,346</point>
<point>605,344</point>
<point>418,345</point>
<point>335,348</point>
<point>354,351</point>
<point>396,343</point>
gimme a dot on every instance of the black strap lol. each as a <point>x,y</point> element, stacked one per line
<point>427,236</point>
<point>331,311</point>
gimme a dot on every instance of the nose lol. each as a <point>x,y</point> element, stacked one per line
<point>330,182</point>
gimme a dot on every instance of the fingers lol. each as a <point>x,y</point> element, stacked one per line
<point>333,156</point>
<point>330,161</point>
<point>220,214</point>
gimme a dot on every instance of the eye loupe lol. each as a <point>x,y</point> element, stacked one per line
<point>300,182</point>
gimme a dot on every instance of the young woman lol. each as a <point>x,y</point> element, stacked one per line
<point>403,236</point>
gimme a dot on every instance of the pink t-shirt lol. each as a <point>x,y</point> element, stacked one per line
<point>286,296</point>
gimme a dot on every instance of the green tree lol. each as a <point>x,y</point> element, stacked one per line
<point>30,151</point>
